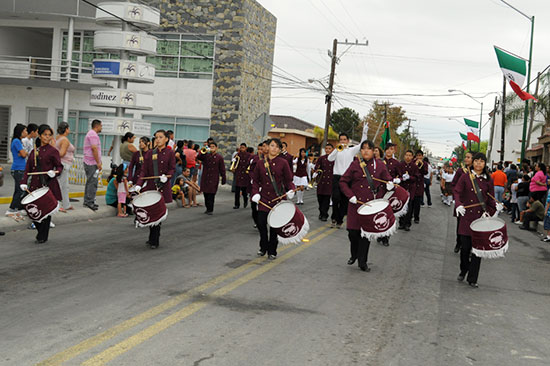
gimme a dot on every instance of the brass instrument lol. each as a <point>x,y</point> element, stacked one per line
<point>234,163</point>
<point>315,181</point>
<point>420,163</point>
<point>340,147</point>
<point>205,150</point>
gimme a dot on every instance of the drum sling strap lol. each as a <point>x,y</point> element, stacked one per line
<point>273,182</point>
<point>41,177</point>
<point>478,192</point>
<point>363,165</point>
<point>156,169</point>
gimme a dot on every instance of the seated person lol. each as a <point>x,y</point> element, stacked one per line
<point>535,212</point>
<point>179,190</point>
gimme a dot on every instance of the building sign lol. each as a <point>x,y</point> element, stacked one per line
<point>106,68</point>
<point>117,69</point>
<point>121,98</point>
<point>120,125</point>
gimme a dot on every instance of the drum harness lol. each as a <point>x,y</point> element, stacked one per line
<point>477,190</point>
<point>156,169</point>
<point>363,165</point>
<point>273,182</point>
<point>41,177</point>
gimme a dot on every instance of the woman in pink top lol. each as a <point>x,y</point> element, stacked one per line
<point>538,187</point>
<point>66,152</point>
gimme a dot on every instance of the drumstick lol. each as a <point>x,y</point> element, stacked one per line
<point>362,203</point>
<point>278,198</point>
<point>40,173</point>
<point>493,197</point>
<point>155,177</point>
<point>474,205</point>
<point>266,205</point>
<point>383,181</point>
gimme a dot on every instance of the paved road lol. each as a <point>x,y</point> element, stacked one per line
<point>96,295</point>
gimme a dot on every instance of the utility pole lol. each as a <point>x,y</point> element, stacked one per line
<point>402,152</point>
<point>328,97</point>
<point>532,113</point>
<point>490,146</point>
<point>503,118</point>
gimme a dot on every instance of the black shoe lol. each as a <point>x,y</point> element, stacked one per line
<point>235,207</point>
<point>379,240</point>
<point>324,219</point>
<point>41,241</point>
<point>417,221</point>
<point>457,248</point>
<point>407,228</point>
<point>209,213</point>
<point>260,253</point>
<point>401,227</point>
<point>351,260</point>
<point>460,277</point>
<point>154,246</point>
<point>2,233</point>
<point>364,268</point>
<point>272,257</point>
<point>92,207</point>
<point>473,284</point>
<point>523,227</point>
<point>386,243</point>
<point>245,204</point>
<point>255,226</point>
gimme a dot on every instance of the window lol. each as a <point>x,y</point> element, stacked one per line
<point>79,124</point>
<point>195,129</point>
<point>178,55</point>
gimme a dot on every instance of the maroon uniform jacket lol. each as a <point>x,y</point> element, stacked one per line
<point>166,160</point>
<point>422,171</point>
<point>252,163</point>
<point>324,188</point>
<point>213,167</point>
<point>48,157</point>
<point>241,177</point>
<point>134,169</point>
<point>412,170</point>
<point>261,182</point>
<point>395,167</point>
<point>465,196</point>
<point>458,174</point>
<point>355,183</point>
<point>301,167</point>
<point>289,159</point>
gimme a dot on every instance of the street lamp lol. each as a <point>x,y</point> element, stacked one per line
<point>532,20</point>
<point>328,100</point>
<point>480,114</point>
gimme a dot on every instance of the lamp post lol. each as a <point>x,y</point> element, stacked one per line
<point>480,114</point>
<point>526,111</point>
<point>328,100</point>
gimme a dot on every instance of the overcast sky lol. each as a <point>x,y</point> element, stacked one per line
<point>415,46</point>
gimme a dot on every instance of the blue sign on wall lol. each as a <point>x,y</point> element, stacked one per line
<point>106,67</point>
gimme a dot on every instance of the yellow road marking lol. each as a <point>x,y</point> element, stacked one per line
<point>112,352</point>
<point>64,356</point>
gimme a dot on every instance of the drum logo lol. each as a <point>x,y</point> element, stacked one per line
<point>381,222</point>
<point>396,204</point>
<point>142,215</point>
<point>33,211</point>
<point>290,230</point>
<point>496,240</point>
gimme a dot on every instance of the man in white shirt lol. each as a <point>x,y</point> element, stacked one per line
<point>342,161</point>
<point>427,184</point>
<point>28,142</point>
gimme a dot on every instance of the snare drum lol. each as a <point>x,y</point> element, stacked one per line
<point>149,208</point>
<point>399,200</point>
<point>40,204</point>
<point>377,219</point>
<point>489,237</point>
<point>290,223</point>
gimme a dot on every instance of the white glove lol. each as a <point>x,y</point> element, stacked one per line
<point>460,211</point>
<point>24,187</point>
<point>163,179</point>
<point>396,180</point>
<point>500,207</point>
<point>290,194</point>
<point>353,200</point>
<point>406,176</point>
<point>314,175</point>
<point>390,186</point>
<point>51,174</point>
<point>130,183</point>
<point>486,214</point>
<point>137,188</point>
<point>256,198</point>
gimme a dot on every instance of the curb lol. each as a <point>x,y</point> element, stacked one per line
<point>7,200</point>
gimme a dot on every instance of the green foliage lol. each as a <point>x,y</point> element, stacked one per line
<point>345,120</point>
<point>320,133</point>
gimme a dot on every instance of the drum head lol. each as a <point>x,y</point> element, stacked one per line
<point>34,195</point>
<point>281,214</point>
<point>373,207</point>
<point>487,224</point>
<point>146,199</point>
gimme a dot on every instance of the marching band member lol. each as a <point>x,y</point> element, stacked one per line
<point>324,167</point>
<point>472,188</point>
<point>43,158</point>
<point>419,191</point>
<point>342,157</point>
<point>159,162</point>
<point>213,168</point>
<point>286,155</point>
<point>459,173</point>
<point>395,168</point>
<point>408,181</point>
<point>134,169</point>
<point>300,175</point>
<point>270,179</point>
<point>241,177</point>
<point>358,184</point>
<point>253,161</point>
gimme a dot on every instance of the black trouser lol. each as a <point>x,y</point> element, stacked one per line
<point>469,262</point>
<point>324,204</point>
<point>405,220</point>
<point>238,191</point>
<point>254,207</point>
<point>529,217</point>
<point>268,241</point>
<point>43,228</point>
<point>18,194</point>
<point>416,207</point>
<point>339,201</point>
<point>427,185</point>
<point>359,247</point>
<point>209,201</point>
<point>154,235</point>
<point>457,245</point>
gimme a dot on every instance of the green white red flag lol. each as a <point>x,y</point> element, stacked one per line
<point>454,158</point>
<point>473,137</point>
<point>471,123</point>
<point>514,69</point>
<point>386,137</point>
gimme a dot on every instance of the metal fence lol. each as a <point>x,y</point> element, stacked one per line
<point>78,176</point>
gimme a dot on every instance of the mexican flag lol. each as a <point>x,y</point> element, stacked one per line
<point>464,146</point>
<point>464,137</point>
<point>471,123</point>
<point>514,69</point>
<point>386,137</point>
<point>473,137</point>
<point>454,157</point>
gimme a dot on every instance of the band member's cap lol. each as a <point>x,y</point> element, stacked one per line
<point>389,144</point>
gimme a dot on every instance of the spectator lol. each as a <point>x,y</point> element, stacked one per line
<point>538,182</point>
<point>121,185</point>
<point>171,144</point>
<point>523,192</point>
<point>180,191</point>
<point>190,157</point>
<point>506,167</point>
<point>428,183</point>
<point>181,161</point>
<point>17,170</point>
<point>111,196</point>
<point>514,199</point>
<point>193,189</point>
<point>127,148</point>
<point>66,153</point>
<point>512,174</point>
<point>92,164</point>
<point>547,220</point>
<point>198,163</point>
<point>28,142</point>
<point>499,181</point>
<point>535,213</point>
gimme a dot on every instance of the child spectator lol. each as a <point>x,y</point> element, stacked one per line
<point>178,190</point>
<point>514,198</point>
<point>121,184</point>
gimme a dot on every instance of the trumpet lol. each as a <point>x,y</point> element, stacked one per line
<point>317,178</point>
<point>234,163</point>
<point>205,150</point>
<point>340,147</point>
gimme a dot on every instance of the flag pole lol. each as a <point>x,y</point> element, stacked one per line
<point>480,120</point>
<point>524,135</point>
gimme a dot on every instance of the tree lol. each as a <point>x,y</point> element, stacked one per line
<point>320,133</point>
<point>345,120</point>
<point>460,152</point>
<point>376,116</point>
